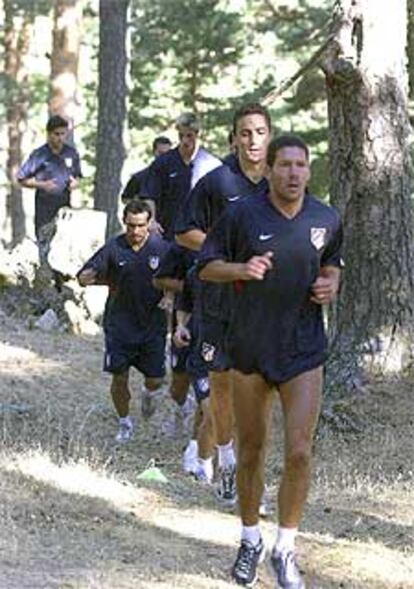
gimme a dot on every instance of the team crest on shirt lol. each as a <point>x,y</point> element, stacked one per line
<point>317,237</point>
<point>207,351</point>
<point>153,262</point>
<point>68,162</point>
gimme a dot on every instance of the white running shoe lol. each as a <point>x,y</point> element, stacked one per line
<point>204,472</point>
<point>190,457</point>
<point>125,431</point>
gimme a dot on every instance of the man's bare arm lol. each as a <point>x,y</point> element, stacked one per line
<point>193,239</point>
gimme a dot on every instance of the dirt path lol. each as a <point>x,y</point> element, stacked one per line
<point>74,514</point>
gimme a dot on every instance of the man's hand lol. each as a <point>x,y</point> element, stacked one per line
<point>257,266</point>
<point>167,302</point>
<point>325,287</point>
<point>73,183</point>
<point>87,277</point>
<point>48,185</point>
<point>182,336</point>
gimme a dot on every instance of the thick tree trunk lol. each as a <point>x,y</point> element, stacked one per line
<point>371,173</point>
<point>16,43</point>
<point>65,59</point>
<point>110,151</point>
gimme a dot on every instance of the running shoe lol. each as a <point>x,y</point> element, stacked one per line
<point>286,570</point>
<point>226,488</point>
<point>244,570</point>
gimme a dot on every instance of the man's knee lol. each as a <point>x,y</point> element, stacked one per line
<point>299,458</point>
<point>152,383</point>
<point>250,452</point>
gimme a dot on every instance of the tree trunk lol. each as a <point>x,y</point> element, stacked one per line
<point>371,172</point>
<point>110,151</point>
<point>16,43</point>
<point>65,59</point>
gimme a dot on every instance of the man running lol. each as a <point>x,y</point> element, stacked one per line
<point>242,175</point>
<point>282,250</point>
<point>134,185</point>
<point>172,175</point>
<point>134,324</point>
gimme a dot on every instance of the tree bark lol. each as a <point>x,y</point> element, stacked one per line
<point>65,59</point>
<point>16,44</point>
<point>110,151</point>
<point>366,77</point>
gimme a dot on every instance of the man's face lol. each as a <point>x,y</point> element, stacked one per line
<point>187,140</point>
<point>137,228</point>
<point>162,148</point>
<point>290,174</point>
<point>251,138</point>
<point>56,138</point>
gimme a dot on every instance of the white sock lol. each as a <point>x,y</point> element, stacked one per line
<point>193,444</point>
<point>207,465</point>
<point>226,456</point>
<point>251,534</point>
<point>285,539</point>
<point>126,421</point>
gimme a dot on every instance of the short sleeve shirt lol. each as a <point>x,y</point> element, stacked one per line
<point>44,164</point>
<point>132,310</point>
<point>170,179</point>
<point>274,322</point>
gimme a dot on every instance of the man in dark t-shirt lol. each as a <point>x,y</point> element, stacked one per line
<point>172,175</point>
<point>134,185</point>
<point>53,170</point>
<point>135,325</point>
<point>242,176</point>
<point>281,251</point>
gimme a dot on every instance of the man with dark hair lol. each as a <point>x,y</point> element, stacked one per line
<point>133,187</point>
<point>172,175</point>
<point>53,170</point>
<point>135,325</point>
<point>242,175</point>
<point>282,250</point>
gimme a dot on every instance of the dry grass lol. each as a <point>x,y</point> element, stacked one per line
<point>74,514</point>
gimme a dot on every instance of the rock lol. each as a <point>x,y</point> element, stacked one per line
<point>94,298</point>
<point>79,233</point>
<point>79,324</point>
<point>48,321</point>
<point>19,264</point>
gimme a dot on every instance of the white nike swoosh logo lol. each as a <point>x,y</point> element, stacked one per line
<point>265,236</point>
<point>173,174</point>
<point>233,198</point>
<point>122,263</point>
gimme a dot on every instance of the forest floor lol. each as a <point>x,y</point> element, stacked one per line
<point>75,516</point>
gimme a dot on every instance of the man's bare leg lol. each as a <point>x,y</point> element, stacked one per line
<point>120,397</point>
<point>221,405</point>
<point>301,401</point>
<point>252,407</point>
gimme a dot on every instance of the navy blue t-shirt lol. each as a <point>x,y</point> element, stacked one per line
<point>132,310</point>
<point>134,185</point>
<point>44,164</point>
<point>221,188</point>
<point>275,329</point>
<point>170,179</point>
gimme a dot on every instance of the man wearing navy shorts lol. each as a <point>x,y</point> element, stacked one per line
<point>282,253</point>
<point>241,176</point>
<point>135,325</point>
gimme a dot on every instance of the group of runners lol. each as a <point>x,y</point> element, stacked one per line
<point>247,258</point>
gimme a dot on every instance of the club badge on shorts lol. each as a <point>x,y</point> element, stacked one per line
<point>317,237</point>
<point>153,262</point>
<point>207,351</point>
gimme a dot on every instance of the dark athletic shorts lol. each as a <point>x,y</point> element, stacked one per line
<point>212,344</point>
<point>147,357</point>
